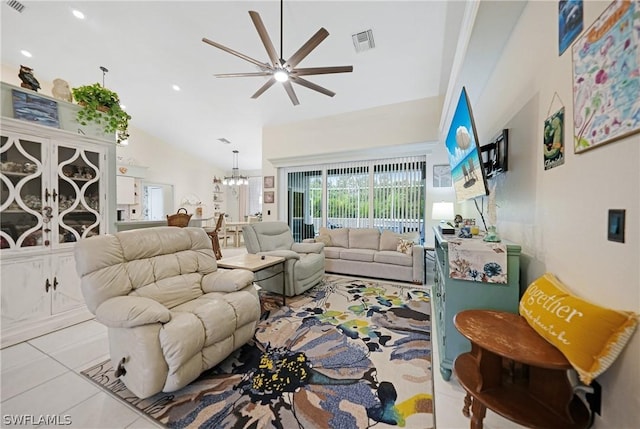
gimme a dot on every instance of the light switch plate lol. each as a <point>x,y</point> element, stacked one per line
<point>615,226</point>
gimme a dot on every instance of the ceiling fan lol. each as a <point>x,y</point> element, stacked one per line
<point>279,69</point>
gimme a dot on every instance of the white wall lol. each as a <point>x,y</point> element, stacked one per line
<point>560,215</point>
<point>401,127</point>
<point>189,176</point>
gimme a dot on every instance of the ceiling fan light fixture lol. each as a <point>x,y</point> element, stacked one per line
<point>280,70</point>
<point>281,75</point>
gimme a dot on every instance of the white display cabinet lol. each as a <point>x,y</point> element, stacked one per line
<point>57,188</point>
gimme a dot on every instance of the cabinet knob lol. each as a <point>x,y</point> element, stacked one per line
<point>55,283</point>
<point>54,195</point>
<point>47,285</point>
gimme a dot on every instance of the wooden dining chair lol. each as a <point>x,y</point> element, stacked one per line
<point>215,238</point>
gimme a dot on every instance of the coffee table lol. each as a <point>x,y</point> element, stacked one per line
<point>255,263</point>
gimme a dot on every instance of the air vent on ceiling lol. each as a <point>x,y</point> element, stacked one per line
<point>363,41</point>
<point>13,4</point>
<point>223,140</point>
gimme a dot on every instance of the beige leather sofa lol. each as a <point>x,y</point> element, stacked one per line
<point>371,253</point>
<point>170,312</point>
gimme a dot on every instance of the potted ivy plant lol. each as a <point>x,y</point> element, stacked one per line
<point>102,106</point>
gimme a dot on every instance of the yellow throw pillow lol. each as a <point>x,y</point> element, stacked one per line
<point>405,246</point>
<point>590,337</point>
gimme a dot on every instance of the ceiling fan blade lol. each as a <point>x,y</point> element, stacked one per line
<point>311,85</point>
<point>321,70</point>
<point>264,87</point>
<point>305,49</point>
<point>237,54</point>
<point>292,95</point>
<point>264,36</point>
<point>244,74</point>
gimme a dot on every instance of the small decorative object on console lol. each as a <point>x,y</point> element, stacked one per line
<point>465,232</point>
<point>492,235</point>
<point>447,229</point>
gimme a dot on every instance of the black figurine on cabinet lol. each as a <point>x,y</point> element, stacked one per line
<point>28,79</point>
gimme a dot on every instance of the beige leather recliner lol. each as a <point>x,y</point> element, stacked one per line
<point>170,312</point>
<point>304,262</point>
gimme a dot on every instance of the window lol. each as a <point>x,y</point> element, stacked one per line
<point>255,195</point>
<point>385,194</point>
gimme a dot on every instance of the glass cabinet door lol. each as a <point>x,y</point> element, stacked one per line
<point>78,178</point>
<point>23,216</point>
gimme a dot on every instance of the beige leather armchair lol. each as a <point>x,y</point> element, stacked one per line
<point>304,265</point>
<point>170,312</point>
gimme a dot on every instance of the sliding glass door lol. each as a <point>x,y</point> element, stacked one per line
<point>385,194</point>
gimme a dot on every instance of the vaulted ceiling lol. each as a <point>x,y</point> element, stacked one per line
<point>149,46</point>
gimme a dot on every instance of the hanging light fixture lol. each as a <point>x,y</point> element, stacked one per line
<point>235,178</point>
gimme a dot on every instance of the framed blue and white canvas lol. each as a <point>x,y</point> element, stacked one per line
<point>570,22</point>
<point>34,108</point>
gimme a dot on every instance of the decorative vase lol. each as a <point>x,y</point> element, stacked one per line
<point>492,235</point>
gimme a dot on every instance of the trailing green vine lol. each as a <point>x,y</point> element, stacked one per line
<point>101,106</point>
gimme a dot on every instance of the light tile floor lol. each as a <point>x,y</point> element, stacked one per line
<point>41,377</point>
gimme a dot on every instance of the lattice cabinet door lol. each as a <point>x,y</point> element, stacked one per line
<point>23,166</point>
<point>79,195</point>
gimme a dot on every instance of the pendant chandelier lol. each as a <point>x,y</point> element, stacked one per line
<point>235,178</point>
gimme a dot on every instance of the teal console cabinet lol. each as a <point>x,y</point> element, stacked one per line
<point>453,295</point>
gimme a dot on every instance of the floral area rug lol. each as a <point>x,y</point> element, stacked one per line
<point>349,353</point>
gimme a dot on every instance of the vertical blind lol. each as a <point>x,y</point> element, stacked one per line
<point>384,194</point>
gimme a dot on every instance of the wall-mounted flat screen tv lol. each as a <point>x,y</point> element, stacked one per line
<point>467,172</point>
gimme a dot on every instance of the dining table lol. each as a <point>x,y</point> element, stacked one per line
<point>236,229</point>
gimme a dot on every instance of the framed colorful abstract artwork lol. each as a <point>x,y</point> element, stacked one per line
<point>606,82</point>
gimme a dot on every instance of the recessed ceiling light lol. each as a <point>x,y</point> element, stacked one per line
<point>176,88</point>
<point>26,53</point>
<point>77,14</point>
<point>123,107</point>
